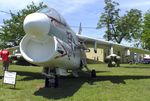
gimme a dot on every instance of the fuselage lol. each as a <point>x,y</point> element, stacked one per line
<point>49,41</point>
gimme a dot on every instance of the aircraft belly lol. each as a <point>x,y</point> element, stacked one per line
<point>66,63</point>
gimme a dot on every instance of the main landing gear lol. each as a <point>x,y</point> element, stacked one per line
<point>92,72</point>
<point>51,78</point>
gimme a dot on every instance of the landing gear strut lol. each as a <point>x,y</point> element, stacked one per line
<point>51,79</point>
<point>93,73</point>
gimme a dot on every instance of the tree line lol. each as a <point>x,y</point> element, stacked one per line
<point>133,26</point>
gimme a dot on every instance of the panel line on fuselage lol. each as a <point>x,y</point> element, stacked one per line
<point>64,54</point>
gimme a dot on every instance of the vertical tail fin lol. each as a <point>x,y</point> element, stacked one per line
<point>80,29</point>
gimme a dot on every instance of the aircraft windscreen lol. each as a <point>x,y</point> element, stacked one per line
<point>44,10</point>
<point>52,13</point>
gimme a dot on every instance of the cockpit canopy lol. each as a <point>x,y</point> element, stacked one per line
<point>53,13</point>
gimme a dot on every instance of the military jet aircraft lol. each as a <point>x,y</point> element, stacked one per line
<point>50,43</point>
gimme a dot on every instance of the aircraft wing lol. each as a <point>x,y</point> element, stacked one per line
<point>89,42</point>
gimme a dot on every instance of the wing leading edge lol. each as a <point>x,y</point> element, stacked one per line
<point>88,41</point>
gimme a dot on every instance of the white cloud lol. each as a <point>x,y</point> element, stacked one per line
<point>69,6</point>
<point>63,6</point>
<point>135,3</point>
<point>7,5</point>
<point>143,5</point>
<point>14,6</point>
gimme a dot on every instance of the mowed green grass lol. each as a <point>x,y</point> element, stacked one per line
<point>126,83</point>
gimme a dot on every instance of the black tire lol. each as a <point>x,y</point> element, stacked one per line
<point>109,65</point>
<point>93,73</point>
<point>46,82</point>
<point>56,83</point>
<point>81,64</point>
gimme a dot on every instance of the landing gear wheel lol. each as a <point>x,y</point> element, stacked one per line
<point>51,82</point>
<point>81,64</point>
<point>93,73</point>
<point>51,78</point>
<point>109,64</point>
<point>56,81</point>
<point>46,82</point>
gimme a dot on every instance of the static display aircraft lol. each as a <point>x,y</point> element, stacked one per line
<point>50,43</point>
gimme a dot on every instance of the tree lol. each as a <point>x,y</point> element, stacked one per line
<point>146,31</point>
<point>108,18</point>
<point>12,31</point>
<point>127,27</point>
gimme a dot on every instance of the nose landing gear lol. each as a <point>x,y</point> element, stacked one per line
<point>51,79</point>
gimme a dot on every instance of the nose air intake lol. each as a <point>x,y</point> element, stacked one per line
<point>37,46</point>
<point>37,25</point>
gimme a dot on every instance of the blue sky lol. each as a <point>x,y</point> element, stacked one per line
<point>76,11</point>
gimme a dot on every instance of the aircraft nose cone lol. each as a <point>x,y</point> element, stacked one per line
<point>36,24</point>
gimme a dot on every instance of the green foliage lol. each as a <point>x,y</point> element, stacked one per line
<point>146,31</point>
<point>108,18</point>
<point>127,27</point>
<point>12,30</point>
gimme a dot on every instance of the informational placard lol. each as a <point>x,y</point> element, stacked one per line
<point>10,77</point>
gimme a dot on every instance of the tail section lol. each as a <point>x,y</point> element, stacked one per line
<point>80,29</point>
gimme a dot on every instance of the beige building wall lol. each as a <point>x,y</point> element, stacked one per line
<point>99,56</point>
<point>102,53</point>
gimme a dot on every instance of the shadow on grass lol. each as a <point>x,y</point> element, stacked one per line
<point>15,88</point>
<point>29,75</point>
<point>102,71</point>
<point>69,85</point>
<point>119,79</point>
<point>1,77</point>
<point>33,75</point>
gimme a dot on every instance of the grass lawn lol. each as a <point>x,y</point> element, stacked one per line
<point>126,83</point>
